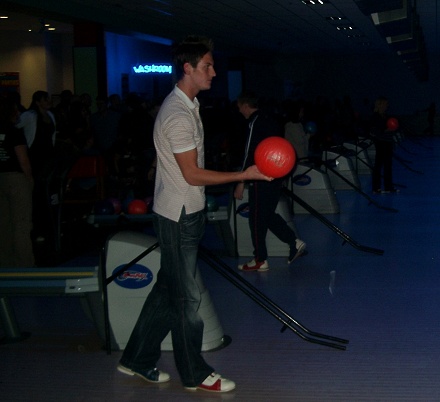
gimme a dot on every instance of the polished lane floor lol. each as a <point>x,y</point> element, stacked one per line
<point>386,305</point>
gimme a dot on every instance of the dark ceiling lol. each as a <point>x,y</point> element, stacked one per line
<point>250,28</point>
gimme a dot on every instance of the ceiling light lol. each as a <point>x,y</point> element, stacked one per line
<point>3,17</point>
<point>315,2</point>
<point>344,27</point>
<point>333,18</point>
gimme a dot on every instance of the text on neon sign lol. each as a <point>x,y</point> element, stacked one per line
<point>153,68</point>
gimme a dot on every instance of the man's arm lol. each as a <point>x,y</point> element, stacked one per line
<point>196,176</point>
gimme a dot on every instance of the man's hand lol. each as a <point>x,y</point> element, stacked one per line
<point>238,191</point>
<point>252,173</point>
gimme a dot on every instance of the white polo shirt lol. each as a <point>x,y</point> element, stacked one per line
<point>178,128</point>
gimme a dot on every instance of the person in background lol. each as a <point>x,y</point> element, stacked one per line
<point>62,114</point>
<point>16,97</point>
<point>294,130</point>
<point>179,221</point>
<point>16,184</point>
<point>146,162</point>
<point>104,124</point>
<point>39,126</point>
<point>115,103</point>
<point>80,132</point>
<point>384,143</point>
<point>263,196</point>
<point>86,99</point>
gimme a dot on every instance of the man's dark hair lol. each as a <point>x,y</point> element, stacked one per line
<point>248,97</point>
<point>37,97</point>
<point>190,50</point>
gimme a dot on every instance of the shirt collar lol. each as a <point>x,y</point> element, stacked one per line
<point>182,95</point>
<point>253,116</point>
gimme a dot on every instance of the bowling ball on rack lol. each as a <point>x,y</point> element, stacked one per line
<point>149,202</point>
<point>103,207</point>
<point>310,127</point>
<point>126,202</point>
<point>392,124</point>
<point>117,205</point>
<point>137,207</point>
<point>211,203</point>
<point>275,157</point>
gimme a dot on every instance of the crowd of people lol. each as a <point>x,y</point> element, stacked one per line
<point>16,186</point>
<point>53,138</point>
<point>121,130</point>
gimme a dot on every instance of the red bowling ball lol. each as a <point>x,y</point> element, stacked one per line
<point>137,207</point>
<point>392,124</point>
<point>275,157</point>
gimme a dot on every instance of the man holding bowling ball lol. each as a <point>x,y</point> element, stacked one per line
<point>263,196</point>
<point>179,221</point>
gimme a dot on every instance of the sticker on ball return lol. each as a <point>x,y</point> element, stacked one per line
<point>275,157</point>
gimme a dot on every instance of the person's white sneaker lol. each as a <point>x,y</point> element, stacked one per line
<point>296,251</point>
<point>254,265</point>
<point>214,383</point>
<point>152,375</point>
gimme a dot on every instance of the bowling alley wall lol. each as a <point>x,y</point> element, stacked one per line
<point>45,61</point>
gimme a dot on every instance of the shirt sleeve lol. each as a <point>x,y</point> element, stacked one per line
<point>180,133</point>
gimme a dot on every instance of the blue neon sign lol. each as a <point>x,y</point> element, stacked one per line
<point>153,69</point>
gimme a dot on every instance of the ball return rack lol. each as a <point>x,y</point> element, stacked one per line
<point>330,225</point>
<point>247,288</point>
<point>267,304</point>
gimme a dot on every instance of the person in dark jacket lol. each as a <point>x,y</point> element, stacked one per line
<point>384,143</point>
<point>263,197</point>
<point>16,184</point>
<point>39,128</point>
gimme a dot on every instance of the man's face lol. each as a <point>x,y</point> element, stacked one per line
<point>243,108</point>
<point>383,106</point>
<point>204,72</point>
<point>44,103</point>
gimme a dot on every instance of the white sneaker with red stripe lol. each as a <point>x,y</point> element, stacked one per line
<point>214,383</point>
<point>254,265</point>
